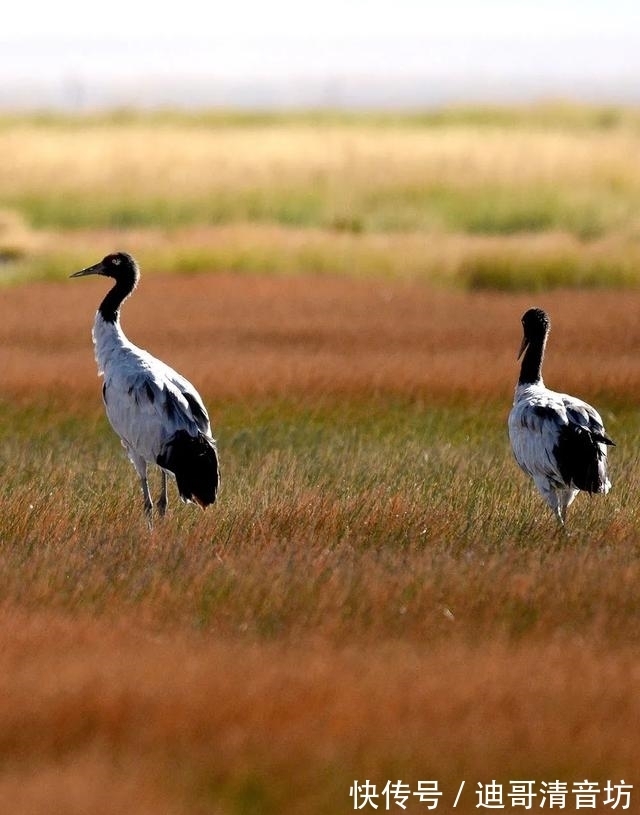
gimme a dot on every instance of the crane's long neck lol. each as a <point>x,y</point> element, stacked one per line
<point>531,368</point>
<point>110,307</point>
<point>108,337</point>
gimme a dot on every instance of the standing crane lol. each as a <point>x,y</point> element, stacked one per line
<point>157,413</point>
<point>558,440</point>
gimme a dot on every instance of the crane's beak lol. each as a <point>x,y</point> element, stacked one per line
<point>97,268</point>
<point>523,347</point>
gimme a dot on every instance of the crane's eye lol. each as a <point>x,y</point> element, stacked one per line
<point>116,261</point>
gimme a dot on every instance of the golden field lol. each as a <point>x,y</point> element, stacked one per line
<point>539,198</point>
<point>380,593</point>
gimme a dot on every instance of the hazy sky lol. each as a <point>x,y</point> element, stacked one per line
<point>595,40</point>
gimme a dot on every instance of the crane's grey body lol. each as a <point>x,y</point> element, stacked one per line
<point>157,413</point>
<point>557,439</point>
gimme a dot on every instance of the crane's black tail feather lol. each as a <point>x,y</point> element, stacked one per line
<point>582,461</point>
<point>194,462</point>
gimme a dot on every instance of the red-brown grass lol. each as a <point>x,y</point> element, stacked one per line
<point>379,594</point>
<point>110,719</point>
<point>251,338</point>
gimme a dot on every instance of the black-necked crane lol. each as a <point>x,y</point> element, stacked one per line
<point>158,415</point>
<point>558,440</point>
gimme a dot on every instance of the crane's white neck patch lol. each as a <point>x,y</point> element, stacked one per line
<point>529,390</point>
<point>108,340</point>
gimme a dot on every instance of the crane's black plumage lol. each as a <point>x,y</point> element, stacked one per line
<point>580,457</point>
<point>536,326</point>
<point>157,413</point>
<point>193,461</point>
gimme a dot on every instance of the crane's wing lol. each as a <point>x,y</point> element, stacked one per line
<point>162,371</point>
<point>561,439</point>
<point>583,415</point>
<point>146,409</point>
<point>534,431</point>
<point>582,455</point>
<point>196,405</point>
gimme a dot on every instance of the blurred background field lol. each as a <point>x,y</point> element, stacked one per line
<point>508,199</point>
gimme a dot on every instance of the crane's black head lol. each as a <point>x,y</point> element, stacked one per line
<point>124,270</point>
<point>120,266</point>
<point>535,325</point>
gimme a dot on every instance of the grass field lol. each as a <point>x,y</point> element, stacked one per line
<point>380,593</point>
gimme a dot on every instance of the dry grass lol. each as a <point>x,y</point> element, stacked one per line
<point>79,158</point>
<point>298,338</point>
<point>517,262</point>
<point>499,202</point>
<point>132,721</point>
<point>379,593</point>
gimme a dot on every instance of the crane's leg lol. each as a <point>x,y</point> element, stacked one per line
<point>565,499</point>
<point>162,500</point>
<point>148,503</point>
<point>552,498</point>
<point>558,498</point>
<point>141,468</point>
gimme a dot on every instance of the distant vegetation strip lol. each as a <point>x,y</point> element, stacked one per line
<point>500,198</point>
<point>511,263</point>
<point>555,114</point>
